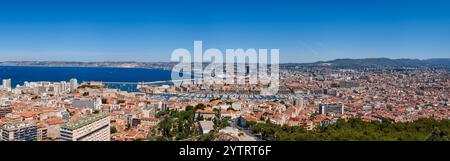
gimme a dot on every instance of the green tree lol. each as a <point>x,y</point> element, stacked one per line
<point>436,135</point>
<point>189,108</point>
<point>356,129</point>
<point>113,129</point>
<point>200,106</point>
<point>128,127</point>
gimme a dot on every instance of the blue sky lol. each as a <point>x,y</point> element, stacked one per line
<point>303,30</point>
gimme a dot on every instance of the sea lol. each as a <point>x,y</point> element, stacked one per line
<point>124,79</point>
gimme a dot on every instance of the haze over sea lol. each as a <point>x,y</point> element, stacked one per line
<point>20,74</point>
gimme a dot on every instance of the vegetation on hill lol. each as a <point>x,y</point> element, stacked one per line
<point>357,130</point>
<point>181,125</point>
<point>176,125</point>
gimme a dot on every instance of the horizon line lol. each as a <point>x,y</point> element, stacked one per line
<point>133,61</point>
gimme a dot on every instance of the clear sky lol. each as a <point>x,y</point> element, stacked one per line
<point>303,30</point>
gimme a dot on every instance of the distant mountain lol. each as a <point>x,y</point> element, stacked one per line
<point>387,62</point>
<point>366,62</point>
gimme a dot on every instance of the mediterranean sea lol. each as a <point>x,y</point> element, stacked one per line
<point>21,74</point>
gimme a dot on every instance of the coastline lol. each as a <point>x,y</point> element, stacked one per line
<point>68,66</point>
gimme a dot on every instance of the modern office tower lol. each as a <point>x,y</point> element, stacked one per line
<point>73,84</point>
<point>335,108</point>
<point>7,83</point>
<point>19,132</point>
<point>5,109</point>
<point>92,128</point>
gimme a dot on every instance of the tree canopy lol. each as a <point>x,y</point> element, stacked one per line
<point>357,130</point>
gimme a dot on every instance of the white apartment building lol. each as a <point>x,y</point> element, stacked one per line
<point>91,128</point>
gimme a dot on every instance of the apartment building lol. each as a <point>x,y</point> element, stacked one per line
<point>19,132</point>
<point>91,128</point>
<point>335,108</point>
<point>5,109</point>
